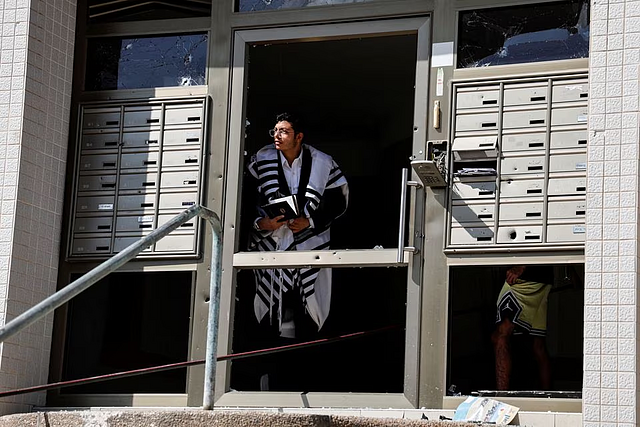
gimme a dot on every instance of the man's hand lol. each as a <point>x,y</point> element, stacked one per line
<point>514,273</point>
<point>298,224</point>
<point>270,224</point>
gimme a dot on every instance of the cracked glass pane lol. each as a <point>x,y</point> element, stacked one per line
<point>146,62</point>
<point>256,5</point>
<point>520,34</point>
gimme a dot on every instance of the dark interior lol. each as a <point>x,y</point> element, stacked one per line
<point>356,99</point>
<point>129,321</point>
<point>473,294</point>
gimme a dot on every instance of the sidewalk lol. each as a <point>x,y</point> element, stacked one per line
<point>199,418</point>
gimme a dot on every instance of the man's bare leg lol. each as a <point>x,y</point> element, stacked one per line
<point>542,357</point>
<point>502,347</point>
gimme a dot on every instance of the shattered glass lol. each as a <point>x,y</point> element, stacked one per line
<point>521,34</point>
<point>146,62</point>
<point>257,5</point>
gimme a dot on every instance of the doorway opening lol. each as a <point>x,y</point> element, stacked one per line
<point>356,98</point>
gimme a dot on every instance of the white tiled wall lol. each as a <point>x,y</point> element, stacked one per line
<point>35,88</point>
<point>610,344</point>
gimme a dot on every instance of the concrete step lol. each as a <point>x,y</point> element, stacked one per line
<point>199,418</point>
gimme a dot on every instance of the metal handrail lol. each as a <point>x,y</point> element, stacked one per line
<point>112,264</point>
<point>182,365</point>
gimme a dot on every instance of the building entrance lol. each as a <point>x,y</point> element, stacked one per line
<point>357,106</point>
<point>357,98</point>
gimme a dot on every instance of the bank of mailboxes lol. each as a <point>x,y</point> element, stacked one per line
<point>518,163</point>
<point>138,166</point>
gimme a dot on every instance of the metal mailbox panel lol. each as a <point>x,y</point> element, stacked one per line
<point>569,139</point>
<point>181,158</point>
<point>140,160</point>
<point>524,119</point>
<point>524,141</point>
<point>568,162</point>
<point>175,116</point>
<point>521,211</point>
<point>471,235</point>
<point>187,179</point>
<point>137,223</point>
<point>182,137</point>
<point>482,97</point>
<point>142,116</point>
<point>139,181</point>
<point>474,190</point>
<point>177,243</point>
<point>522,165</point>
<point>101,224</point>
<point>138,202</point>
<point>120,149</point>
<point>100,141</point>
<point>472,213</point>
<point>569,116</point>
<point>571,233</point>
<point>520,234</point>
<point>187,226</point>
<point>121,243</point>
<point>569,209</point>
<point>521,188</point>
<point>177,200</point>
<point>95,204</point>
<point>567,186</point>
<point>97,183</point>
<point>141,140</point>
<point>99,162</point>
<point>101,118</point>
<point>571,90</point>
<point>476,122</point>
<point>525,95</point>
<point>100,245</point>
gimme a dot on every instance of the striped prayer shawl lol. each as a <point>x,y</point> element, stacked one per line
<point>319,173</point>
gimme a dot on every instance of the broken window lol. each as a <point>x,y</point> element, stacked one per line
<point>130,321</point>
<point>256,5</point>
<point>146,62</point>
<point>523,339</point>
<point>521,34</point>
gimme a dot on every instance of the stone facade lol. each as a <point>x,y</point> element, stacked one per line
<point>36,67</point>
<point>610,345</point>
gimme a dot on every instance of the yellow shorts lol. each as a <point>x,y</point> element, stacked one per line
<point>525,304</point>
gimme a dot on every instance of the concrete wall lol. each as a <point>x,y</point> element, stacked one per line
<point>611,314</point>
<point>36,66</point>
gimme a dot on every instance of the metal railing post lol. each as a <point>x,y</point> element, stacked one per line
<point>214,310</point>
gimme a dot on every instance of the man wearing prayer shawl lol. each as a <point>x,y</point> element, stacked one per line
<point>295,302</point>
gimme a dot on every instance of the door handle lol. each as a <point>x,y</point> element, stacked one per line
<point>403,211</point>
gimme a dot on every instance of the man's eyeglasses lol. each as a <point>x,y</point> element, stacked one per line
<point>281,132</point>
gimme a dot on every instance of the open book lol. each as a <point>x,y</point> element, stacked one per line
<point>287,206</point>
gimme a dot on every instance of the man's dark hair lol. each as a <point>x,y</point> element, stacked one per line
<point>295,121</point>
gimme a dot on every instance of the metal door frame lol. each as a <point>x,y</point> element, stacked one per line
<point>421,27</point>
